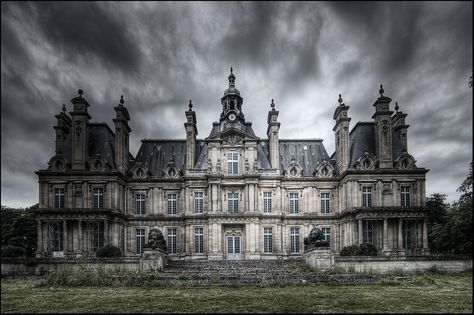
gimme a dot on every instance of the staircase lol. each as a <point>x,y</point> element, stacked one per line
<point>249,272</point>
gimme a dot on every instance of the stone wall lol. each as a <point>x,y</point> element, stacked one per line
<point>409,264</point>
<point>40,266</point>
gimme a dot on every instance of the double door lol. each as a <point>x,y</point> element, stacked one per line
<point>233,244</point>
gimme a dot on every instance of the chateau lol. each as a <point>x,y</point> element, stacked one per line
<point>231,195</point>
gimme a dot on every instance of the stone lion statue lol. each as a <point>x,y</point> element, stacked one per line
<point>156,240</point>
<point>315,239</point>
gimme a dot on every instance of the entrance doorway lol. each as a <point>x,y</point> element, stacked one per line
<point>233,247</point>
<point>411,237</point>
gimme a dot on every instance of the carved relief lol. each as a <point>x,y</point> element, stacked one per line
<point>233,140</point>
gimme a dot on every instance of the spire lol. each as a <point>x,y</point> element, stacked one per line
<point>190,105</point>
<point>396,107</point>
<point>340,100</point>
<point>231,78</point>
<point>381,90</point>
<point>121,100</point>
<point>80,92</point>
<point>272,105</point>
<point>64,108</point>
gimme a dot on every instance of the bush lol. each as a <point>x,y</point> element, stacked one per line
<point>13,251</point>
<point>352,250</point>
<point>109,251</point>
<point>364,249</point>
<point>367,249</point>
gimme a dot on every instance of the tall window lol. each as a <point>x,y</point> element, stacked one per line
<point>295,240</point>
<point>267,240</point>
<point>140,203</point>
<point>171,203</point>
<point>171,241</point>
<point>199,240</point>
<point>327,234</point>
<point>95,234</point>
<point>98,198</point>
<point>267,202</point>
<point>59,197</point>
<point>294,206</point>
<point>140,240</point>
<point>198,202</point>
<point>325,203</point>
<point>233,202</point>
<point>232,163</point>
<point>366,196</point>
<point>55,236</point>
<point>369,230</point>
<point>405,196</point>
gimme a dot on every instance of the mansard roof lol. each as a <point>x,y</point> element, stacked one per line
<point>101,140</point>
<point>362,139</point>
<point>155,154</point>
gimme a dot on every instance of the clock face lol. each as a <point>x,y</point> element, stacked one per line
<point>232,117</point>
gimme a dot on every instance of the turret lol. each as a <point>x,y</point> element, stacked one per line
<point>191,133</point>
<point>383,130</point>
<point>122,132</point>
<point>273,138</point>
<point>231,101</point>
<point>341,130</point>
<point>80,137</point>
<point>63,127</point>
<point>399,127</point>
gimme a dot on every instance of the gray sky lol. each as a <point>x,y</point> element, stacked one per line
<point>301,54</point>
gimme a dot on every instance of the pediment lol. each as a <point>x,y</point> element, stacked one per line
<point>233,136</point>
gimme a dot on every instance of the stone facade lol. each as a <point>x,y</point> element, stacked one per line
<point>231,195</point>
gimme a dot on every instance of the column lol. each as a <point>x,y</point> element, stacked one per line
<point>65,244</point>
<point>425,236</point>
<point>106,232</point>
<point>400,234</point>
<point>79,239</point>
<point>39,244</point>
<point>385,235</point>
<point>361,237</point>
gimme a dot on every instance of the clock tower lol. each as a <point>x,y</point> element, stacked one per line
<point>231,101</point>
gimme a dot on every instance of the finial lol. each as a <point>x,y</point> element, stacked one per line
<point>121,100</point>
<point>80,92</point>
<point>340,99</point>
<point>381,90</point>
<point>272,105</point>
<point>64,108</point>
<point>231,69</point>
<point>190,105</point>
<point>396,107</point>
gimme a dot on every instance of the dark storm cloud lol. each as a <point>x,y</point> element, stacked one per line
<point>88,30</point>
<point>303,54</point>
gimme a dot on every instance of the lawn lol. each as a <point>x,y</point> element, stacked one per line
<point>433,293</point>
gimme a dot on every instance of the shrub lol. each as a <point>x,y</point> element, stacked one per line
<point>109,251</point>
<point>13,251</point>
<point>352,250</point>
<point>367,249</point>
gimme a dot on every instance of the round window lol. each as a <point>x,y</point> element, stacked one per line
<point>325,171</point>
<point>404,163</point>
<point>172,172</point>
<point>140,173</point>
<point>366,164</point>
<point>293,172</point>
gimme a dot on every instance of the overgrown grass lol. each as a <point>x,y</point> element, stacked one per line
<point>428,293</point>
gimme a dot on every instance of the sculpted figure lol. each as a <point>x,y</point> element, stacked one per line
<point>156,240</point>
<point>315,239</point>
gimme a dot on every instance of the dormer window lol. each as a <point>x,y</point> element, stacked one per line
<point>404,163</point>
<point>325,171</point>
<point>366,164</point>
<point>172,172</point>
<point>232,106</point>
<point>139,173</point>
<point>293,171</point>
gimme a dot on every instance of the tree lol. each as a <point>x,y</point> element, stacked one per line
<point>455,235</point>
<point>18,235</point>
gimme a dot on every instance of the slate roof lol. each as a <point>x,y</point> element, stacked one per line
<point>101,140</point>
<point>362,138</point>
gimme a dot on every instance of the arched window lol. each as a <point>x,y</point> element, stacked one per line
<point>366,164</point>
<point>232,105</point>
<point>293,171</point>
<point>172,172</point>
<point>404,163</point>
<point>325,171</point>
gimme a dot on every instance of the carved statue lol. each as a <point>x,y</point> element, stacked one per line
<point>218,166</point>
<point>315,239</point>
<point>247,166</point>
<point>255,166</point>
<point>156,240</point>
<point>209,166</point>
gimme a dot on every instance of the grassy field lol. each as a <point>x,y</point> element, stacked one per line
<point>432,293</point>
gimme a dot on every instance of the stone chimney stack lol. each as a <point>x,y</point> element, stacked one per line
<point>63,127</point>
<point>191,133</point>
<point>399,127</point>
<point>122,132</point>
<point>80,132</point>
<point>273,138</point>
<point>383,130</point>
<point>341,130</point>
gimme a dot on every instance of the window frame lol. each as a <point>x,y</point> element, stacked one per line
<point>140,203</point>
<point>198,202</point>
<point>171,240</point>
<point>295,240</point>
<point>294,203</point>
<point>268,240</point>
<point>327,234</point>
<point>199,240</point>
<point>233,207</point>
<point>140,240</point>
<point>172,203</point>
<point>267,202</point>
<point>233,163</point>
<point>325,202</point>
<point>98,197</point>
<point>405,196</point>
<point>367,196</point>
<point>59,197</point>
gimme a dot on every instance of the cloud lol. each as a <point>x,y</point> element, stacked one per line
<point>159,55</point>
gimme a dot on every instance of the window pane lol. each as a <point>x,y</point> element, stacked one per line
<point>171,241</point>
